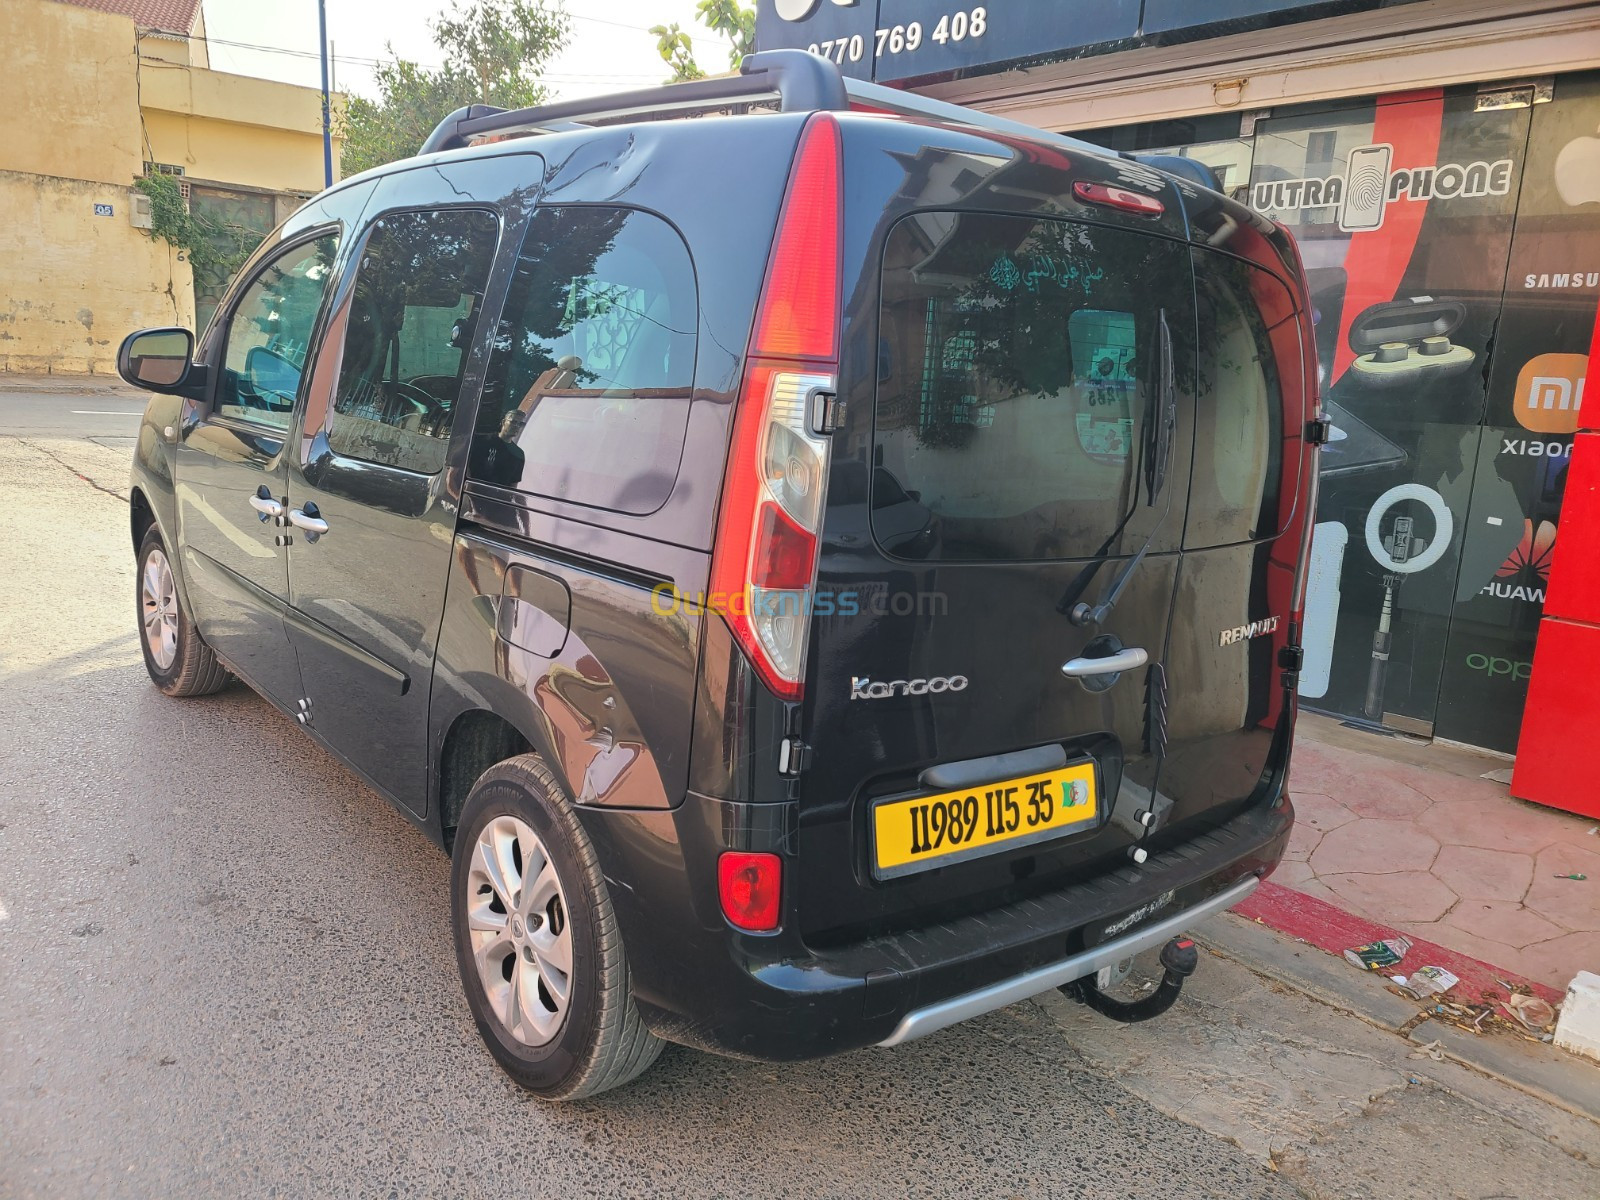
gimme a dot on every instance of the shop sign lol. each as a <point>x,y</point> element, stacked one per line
<point>1368,186</point>
<point>890,40</point>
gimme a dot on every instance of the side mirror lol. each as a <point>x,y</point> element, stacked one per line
<point>159,360</point>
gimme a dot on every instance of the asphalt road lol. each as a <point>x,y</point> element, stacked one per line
<point>225,969</point>
<point>71,410</point>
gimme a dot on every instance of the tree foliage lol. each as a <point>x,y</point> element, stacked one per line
<point>494,52</point>
<point>727,17</point>
<point>677,51</point>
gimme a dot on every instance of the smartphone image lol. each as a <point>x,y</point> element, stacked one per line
<point>1366,185</point>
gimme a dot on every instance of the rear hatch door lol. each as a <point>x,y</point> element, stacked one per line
<point>1018,426</point>
<point>1229,710</point>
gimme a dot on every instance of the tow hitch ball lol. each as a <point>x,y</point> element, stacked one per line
<point>1179,957</point>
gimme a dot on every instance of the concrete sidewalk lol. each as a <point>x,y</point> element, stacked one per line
<point>1414,837</point>
<point>1337,1085</point>
<point>1555,1077</point>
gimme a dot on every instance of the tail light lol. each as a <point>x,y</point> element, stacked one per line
<point>750,889</point>
<point>764,566</point>
<point>1115,197</point>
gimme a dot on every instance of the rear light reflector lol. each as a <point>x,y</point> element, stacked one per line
<point>1119,198</point>
<point>784,553</point>
<point>750,887</point>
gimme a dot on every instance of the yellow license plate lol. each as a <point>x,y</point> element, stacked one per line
<point>932,831</point>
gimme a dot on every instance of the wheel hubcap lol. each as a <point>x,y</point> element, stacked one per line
<point>517,920</point>
<point>158,599</point>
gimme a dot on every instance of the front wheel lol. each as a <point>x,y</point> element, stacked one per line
<point>179,663</point>
<point>537,942</point>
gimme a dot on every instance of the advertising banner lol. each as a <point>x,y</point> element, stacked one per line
<point>1452,244</point>
<point>1404,211</point>
<point>1535,384</point>
<point>1450,241</point>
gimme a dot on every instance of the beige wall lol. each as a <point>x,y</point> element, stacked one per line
<point>73,285</point>
<point>69,92</point>
<point>279,160</point>
<point>235,129</point>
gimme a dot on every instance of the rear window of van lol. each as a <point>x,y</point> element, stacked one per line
<point>1018,364</point>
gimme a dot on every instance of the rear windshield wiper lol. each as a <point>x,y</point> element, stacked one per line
<point>1165,421</point>
<point>1155,456</point>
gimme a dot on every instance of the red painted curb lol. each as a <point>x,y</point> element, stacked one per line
<point>1320,924</point>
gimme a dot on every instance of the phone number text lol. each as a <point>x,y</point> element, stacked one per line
<point>902,39</point>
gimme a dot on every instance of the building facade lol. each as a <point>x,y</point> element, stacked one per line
<point>98,93</point>
<point>1439,163</point>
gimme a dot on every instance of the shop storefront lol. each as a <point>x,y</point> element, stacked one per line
<point>1439,163</point>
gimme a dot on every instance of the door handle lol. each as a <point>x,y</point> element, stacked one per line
<point>310,521</point>
<point>269,508</point>
<point>1129,659</point>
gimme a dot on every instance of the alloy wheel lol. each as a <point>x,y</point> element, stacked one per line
<point>521,941</point>
<point>158,599</point>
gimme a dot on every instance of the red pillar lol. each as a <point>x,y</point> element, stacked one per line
<point>1558,753</point>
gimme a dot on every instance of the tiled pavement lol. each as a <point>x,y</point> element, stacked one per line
<point>1412,837</point>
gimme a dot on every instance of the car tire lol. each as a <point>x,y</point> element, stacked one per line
<point>560,1033</point>
<point>179,662</point>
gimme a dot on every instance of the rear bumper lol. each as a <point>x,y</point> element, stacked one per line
<point>701,983</point>
<point>1086,962</point>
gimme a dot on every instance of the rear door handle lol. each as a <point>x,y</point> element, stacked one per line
<point>269,508</point>
<point>309,521</point>
<point>1129,659</point>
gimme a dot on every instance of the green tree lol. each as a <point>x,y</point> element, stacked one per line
<point>727,17</point>
<point>494,52</point>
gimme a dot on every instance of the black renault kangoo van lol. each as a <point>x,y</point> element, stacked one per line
<point>825,563</point>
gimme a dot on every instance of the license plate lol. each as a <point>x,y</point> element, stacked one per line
<point>933,831</point>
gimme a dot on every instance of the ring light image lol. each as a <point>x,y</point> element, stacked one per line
<point>1444,527</point>
<point>1404,553</point>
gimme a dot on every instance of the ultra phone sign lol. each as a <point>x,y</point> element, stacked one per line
<point>892,40</point>
<point>1366,187</point>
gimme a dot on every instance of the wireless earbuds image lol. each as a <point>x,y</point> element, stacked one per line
<point>1407,341</point>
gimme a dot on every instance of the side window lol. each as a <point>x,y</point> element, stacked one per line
<point>265,353</point>
<point>418,290</point>
<point>1249,358</point>
<point>587,393</point>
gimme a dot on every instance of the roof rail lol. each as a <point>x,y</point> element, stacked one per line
<point>910,104</point>
<point>446,134</point>
<point>796,80</point>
